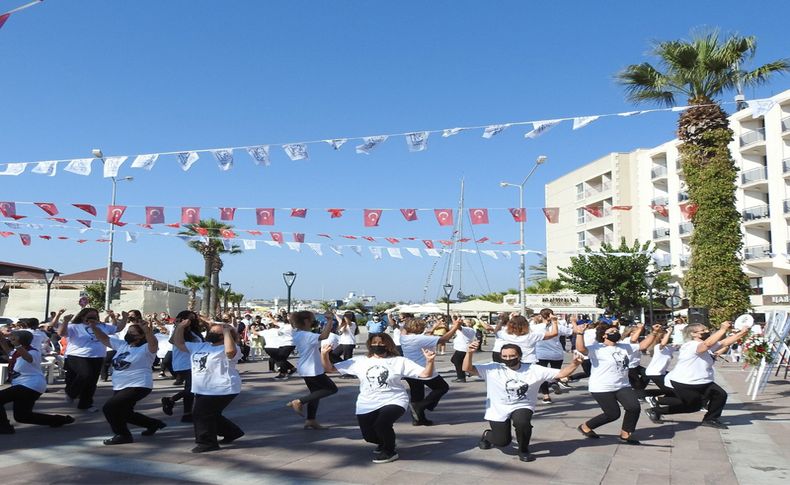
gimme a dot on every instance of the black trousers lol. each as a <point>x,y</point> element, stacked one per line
<point>552,364</point>
<point>283,365</point>
<point>273,353</point>
<point>82,375</point>
<point>378,426</point>
<point>167,364</point>
<point>637,378</point>
<point>419,400</point>
<point>119,410</point>
<point>344,351</point>
<point>690,398</point>
<point>500,434</point>
<point>458,361</point>
<point>662,390</point>
<point>23,399</point>
<point>105,368</point>
<point>186,392</point>
<point>245,352</point>
<point>586,368</point>
<point>320,386</point>
<point>209,421</point>
<point>610,405</point>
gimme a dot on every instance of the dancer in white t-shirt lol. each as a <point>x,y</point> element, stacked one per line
<point>182,365</point>
<point>382,396</point>
<point>511,395</point>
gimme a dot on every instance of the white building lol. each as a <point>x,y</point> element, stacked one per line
<point>652,182</point>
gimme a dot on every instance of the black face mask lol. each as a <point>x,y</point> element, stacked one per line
<point>613,337</point>
<point>704,335</point>
<point>512,363</point>
<point>378,349</point>
<point>133,340</point>
<point>213,337</point>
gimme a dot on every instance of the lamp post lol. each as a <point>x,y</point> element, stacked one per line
<point>49,277</point>
<point>649,280</point>
<point>522,268</point>
<point>226,291</point>
<point>107,294</point>
<point>448,290</point>
<point>289,279</point>
<point>674,299</point>
<point>2,287</point>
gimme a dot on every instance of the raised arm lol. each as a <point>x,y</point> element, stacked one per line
<point>467,366</point>
<point>63,329</point>
<point>150,338</point>
<point>636,332</point>
<point>100,335</point>
<point>714,337</point>
<point>229,340</point>
<point>736,336</point>
<point>579,331</point>
<point>20,350</point>
<point>328,329</point>
<point>570,368</point>
<point>449,334</point>
<point>554,330</point>
<point>119,324</point>
<point>178,336</point>
<point>648,341</point>
<point>326,349</point>
<point>430,355</point>
<point>665,339</point>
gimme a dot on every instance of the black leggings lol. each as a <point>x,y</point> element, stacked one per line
<point>458,361</point>
<point>637,378</point>
<point>119,410</point>
<point>377,426</point>
<point>551,364</point>
<point>209,421</point>
<point>690,399</point>
<point>320,386</point>
<point>82,375</point>
<point>284,366</point>
<point>344,351</point>
<point>167,364</point>
<point>586,367</point>
<point>611,409</point>
<point>24,399</point>
<point>662,390</point>
<point>274,357</point>
<point>419,401</point>
<point>500,434</point>
<point>186,393</point>
<point>105,368</point>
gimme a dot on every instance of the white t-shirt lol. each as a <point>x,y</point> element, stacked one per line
<point>83,343</point>
<point>333,340</point>
<point>508,389</point>
<point>551,349</point>
<point>527,343</point>
<point>164,345</point>
<point>660,361</point>
<point>412,346</point>
<point>29,374</point>
<point>213,373</point>
<point>40,340</point>
<point>131,366</point>
<point>380,380</point>
<point>609,370</point>
<point>463,337</point>
<point>396,335</point>
<point>271,338</point>
<point>691,367</point>
<point>347,336</point>
<point>286,332</point>
<point>307,344</point>
<point>181,360</point>
<point>635,359</point>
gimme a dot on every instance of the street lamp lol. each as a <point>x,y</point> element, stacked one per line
<point>107,294</point>
<point>289,279</point>
<point>49,277</point>
<point>674,299</point>
<point>2,287</point>
<point>448,289</point>
<point>226,290</point>
<point>649,280</point>
<point>522,269</point>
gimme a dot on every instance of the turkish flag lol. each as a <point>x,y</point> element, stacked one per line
<point>372,217</point>
<point>500,243</point>
<point>58,219</point>
<point>255,233</point>
<point>409,214</point>
<point>265,217</point>
<point>552,214</point>
<point>392,240</point>
<point>325,235</point>
<point>114,213</point>
<point>622,207</point>
<point>48,208</point>
<point>25,239</point>
<point>481,240</point>
<point>478,216</point>
<point>299,213</point>
<point>464,240</point>
<point>688,210</point>
<point>298,237</point>
<point>81,241</point>
<point>594,210</point>
<point>661,210</point>
<point>146,226</point>
<point>154,215</point>
<point>46,237</point>
<point>446,242</point>
<point>444,216</point>
<point>202,231</point>
<point>8,209</point>
<point>176,225</point>
<point>227,213</point>
<point>63,237</point>
<point>348,237</point>
<point>3,18</point>
<point>84,222</point>
<point>6,233</point>
<point>335,213</point>
<point>428,243</point>
<point>227,234</point>
<point>519,215</point>
<point>277,237</point>
<point>368,238</point>
<point>87,208</point>
<point>190,215</point>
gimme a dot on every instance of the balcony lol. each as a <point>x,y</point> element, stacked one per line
<point>756,213</point>
<point>757,252</point>
<point>786,124</point>
<point>685,229</point>
<point>661,233</point>
<point>660,201</point>
<point>758,174</point>
<point>683,196</point>
<point>751,137</point>
<point>685,260</point>
<point>786,205</point>
<point>786,166</point>
<point>658,172</point>
<point>662,261</point>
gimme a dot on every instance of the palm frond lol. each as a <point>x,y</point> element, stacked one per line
<point>643,82</point>
<point>760,75</point>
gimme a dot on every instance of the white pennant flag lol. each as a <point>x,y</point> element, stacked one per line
<point>541,127</point>
<point>294,246</point>
<point>470,251</point>
<point>488,252</point>
<point>370,143</point>
<point>297,151</point>
<point>249,244</point>
<point>395,253</point>
<point>14,169</point>
<point>146,162</point>
<point>336,249</point>
<point>336,143</point>
<point>375,251</point>
<point>760,106</point>
<point>260,155</point>
<point>112,165</point>
<point>582,121</point>
<point>131,237</point>
<point>227,244</point>
<point>414,252</point>
<point>357,249</point>
<point>80,166</point>
<point>272,243</point>
<point>316,248</point>
<point>628,113</point>
<point>675,109</point>
<point>46,168</point>
<point>433,252</point>
<point>86,229</point>
<point>448,132</point>
<point>224,158</point>
<point>506,254</point>
<point>186,159</point>
<point>417,141</point>
<point>494,130</point>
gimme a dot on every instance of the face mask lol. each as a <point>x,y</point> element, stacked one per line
<point>132,339</point>
<point>376,319</point>
<point>704,335</point>
<point>378,349</point>
<point>613,337</point>
<point>213,338</point>
<point>512,363</point>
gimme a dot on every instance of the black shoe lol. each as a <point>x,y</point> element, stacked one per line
<point>484,444</point>
<point>459,380</point>
<point>525,457</point>
<point>119,439</point>
<point>167,406</point>
<point>654,416</point>
<point>628,441</point>
<point>66,420</point>
<point>714,423</point>
<point>7,429</point>
<point>378,449</point>
<point>415,412</point>
<point>153,429</point>
<point>385,457</point>
<point>205,448</point>
<point>280,376</point>
<point>230,439</point>
<point>178,382</point>
<point>187,418</point>
<point>422,422</point>
<point>589,434</point>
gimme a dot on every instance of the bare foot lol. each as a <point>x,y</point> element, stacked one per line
<point>296,405</point>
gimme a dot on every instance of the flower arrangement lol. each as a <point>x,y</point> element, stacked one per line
<point>755,349</point>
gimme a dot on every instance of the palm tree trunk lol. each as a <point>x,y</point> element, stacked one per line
<point>208,267</point>
<point>215,293</point>
<point>192,298</point>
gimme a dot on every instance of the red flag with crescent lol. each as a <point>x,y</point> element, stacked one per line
<point>478,216</point>
<point>299,213</point>
<point>552,214</point>
<point>84,222</point>
<point>277,237</point>
<point>154,215</point>
<point>87,208</point>
<point>114,213</point>
<point>660,209</point>
<point>202,231</point>
<point>227,213</point>
<point>594,210</point>
<point>372,217</point>
<point>8,209</point>
<point>58,219</point>
<point>409,214</point>
<point>688,210</point>
<point>25,238</point>
<point>392,240</point>
<point>444,216</point>
<point>255,233</point>
<point>428,243</point>
<point>227,234</point>
<point>335,213</point>
<point>298,237</point>
<point>48,207</point>
<point>519,215</point>
<point>190,215</point>
<point>265,217</point>
<point>481,240</point>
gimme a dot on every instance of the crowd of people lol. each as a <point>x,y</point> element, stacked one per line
<point>396,367</point>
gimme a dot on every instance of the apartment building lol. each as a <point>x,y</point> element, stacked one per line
<point>653,184</point>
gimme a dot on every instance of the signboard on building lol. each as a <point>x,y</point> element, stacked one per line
<point>776,300</point>
<point>566,300</point>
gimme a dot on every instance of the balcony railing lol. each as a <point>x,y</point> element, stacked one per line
<point>786,165</point>
<point>757,252</point>
<point>753,136</point>
<point>785,124</point>
<point>756,213</point>
<point>754,175</point>
<point>660,233</point>
<point>685,228</point>
<point>663,261</point>
<point>685,260</point>
<point>658,172</point>
<point>683,196</point>
<point>660,201</point>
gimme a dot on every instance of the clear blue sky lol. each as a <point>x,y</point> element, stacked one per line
<point>148,76</point>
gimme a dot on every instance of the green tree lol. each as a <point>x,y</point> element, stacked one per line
<point>615,275</point>
<point>193,283</point>
<point>325,305</point>
<point>701,69</point>
<point>96,295</point>
<point>383,306</point>
<point>538,271</point>
<point>545,286</point>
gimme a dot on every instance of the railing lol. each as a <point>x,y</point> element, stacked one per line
<point>685,260</point>
<point>658,172</point>
<point>757,252</point>
<point>663,261</point>
<point>685,228</point>
<point>786,165</point>
<point>661,233</point>
<point>754,175</point>
<point>785,124</point>
<point>753,136</point>
<point>683,196</point>
<point>660,201</point>
<point>756,213</point>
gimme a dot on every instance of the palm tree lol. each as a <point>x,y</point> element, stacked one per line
<point>193,283</point>
<point>235,299</point>
<point>701,70</point>
<point>538,271</point>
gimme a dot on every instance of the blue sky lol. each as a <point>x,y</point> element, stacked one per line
<point>150,76</point>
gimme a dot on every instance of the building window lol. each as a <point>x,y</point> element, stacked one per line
<point>579,191</point>
<point>582,240</point>
<point>581,218</point>
<point>757,285</point>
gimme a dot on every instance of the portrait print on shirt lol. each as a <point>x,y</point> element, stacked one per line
<point>200,358</point>
<point>621,358</point>
<point>377,377</point>
<point>515,389</point>
<point>119,362</point>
